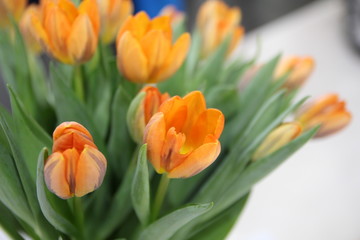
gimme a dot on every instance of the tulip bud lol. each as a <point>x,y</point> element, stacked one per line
<point>11,8</point>
<point>278,138</point>
<point>182,137</point>
<point>68,33</point>
<point>216,21</point>
<point>141,109</point>
<point>27,28</point>
<point>328,112</point>
<point>76,167</point>
<point>113,14</point>
<point>300,69</point>
<point>145,52</point>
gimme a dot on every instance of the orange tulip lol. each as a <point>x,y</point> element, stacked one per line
<point>68,33</point>
<point>27,28</point>
<point>76,167</point>
<point>216,21</point>
<point>145,53</point>
<point>328,112</point>
<point>175,15</point>
<point>278,138</point>
<point>143,107</point>
<point>11,8</point>
<point>113,14</point>
<point>182,138</point>
<point>300,69</point>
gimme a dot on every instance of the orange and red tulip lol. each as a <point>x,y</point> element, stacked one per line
<point>27,28</point>
<point>113,14</point>
<point>145,52</point>
<point>216,21</point>
<point>68,33</point>
<point>278,138</point>
<point>299,69</point>
<point>76,167</point>
<point>11,8</point>
<point>328,112</point>
<point>182,138</point>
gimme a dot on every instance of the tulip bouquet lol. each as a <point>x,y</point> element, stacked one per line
<point>127,127</point>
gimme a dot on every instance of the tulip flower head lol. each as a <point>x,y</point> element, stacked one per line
<point>76,167</point>
<point>27,28</point>
<point>182,138</point>
<point>328,112</point>
<point>113,14</point>
<point>278,138</point>
<point>216,21</point>
<point>68,33</point>
<point>11,8</point>
<point>300,69</point>
<point>145,52</point>
<point>144,106</point>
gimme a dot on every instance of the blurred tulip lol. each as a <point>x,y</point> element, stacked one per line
<point>328,112</point>
<point>278,138</point>
<point>27,28</point>
<point>142,108</point>
<point>299,69</point>
<point>216,21</point>
<point>145,53</point>
<point>9,8</point>
<point>182,138</point>
<point>175,15</point>
<point>68,33</point>
<point>76,167</point>
<point>113,14</point>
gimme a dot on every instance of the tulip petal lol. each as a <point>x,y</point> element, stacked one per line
<point>90,171</point>
<point>156,48</point>
<point>171,156</point>
<point>55,177</point>
<point>175,58</point>
<point>154,136</point>
<point>131,59</point>
<point>175,113</point>
<point>163,24</point>
<point>196,105</point>
<point>334,123</point>
<point>82,41</point>
<point>312,109</point>
<point>137,25</point>
<point>69,9</point>
<point>66,127</point>
<point>197,161</point>
<point>90,8</point>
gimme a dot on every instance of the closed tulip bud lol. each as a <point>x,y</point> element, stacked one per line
<point>182,138</point>
<point>278,138</point>
<point>216,21</point>
<point>175,15</point>
<point>328,112</point>
<point>142,108</point>
<point>11,8</point>
<point>299,69</point>
<point>76,167</point>
<point>145,52</point>
<point>68,33</point>
<point>113,14</point>
<point>27,28</point>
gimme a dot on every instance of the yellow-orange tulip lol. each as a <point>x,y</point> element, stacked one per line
<point>300,69</point>
<point>11,8</point>
<point>68,33</point>
<point>76,167</point>
<point>145,53</point>
<point>143,107</point>
<point>328,112</point>
<point>113,14</point>
<point>27,28</point>
<point>278,138</point>
<point>182,138</point>
<point>216,21</point>
<point>175,15</point>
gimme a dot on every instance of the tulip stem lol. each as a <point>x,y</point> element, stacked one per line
<point>79,83</point>
<point>79,215</point>
<point>160,195</point>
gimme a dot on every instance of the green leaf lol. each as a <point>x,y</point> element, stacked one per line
<point>57,220</point>
<point>9,223</point>
<point>140,189</point>
<point>166,227</point>
<point>194,54</point>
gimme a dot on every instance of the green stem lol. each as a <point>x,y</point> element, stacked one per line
<point>79,83</point>
<point>79,215</point>
<point>160,195</point>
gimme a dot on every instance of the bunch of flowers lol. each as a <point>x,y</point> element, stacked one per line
<point>136,130</point>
